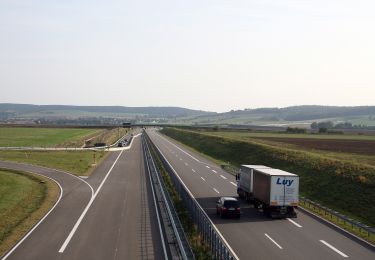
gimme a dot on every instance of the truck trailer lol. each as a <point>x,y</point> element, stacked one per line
<point>273,190</point>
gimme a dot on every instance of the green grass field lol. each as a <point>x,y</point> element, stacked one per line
<point>242,135</point>
<point>76,162</point>
<point>24,199</point>
<point>342,185</point>
<point>43,137</point>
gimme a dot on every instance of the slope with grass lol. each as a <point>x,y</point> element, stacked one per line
<point>24,199</point>
<point>341,185</point>
<point>76,162</point>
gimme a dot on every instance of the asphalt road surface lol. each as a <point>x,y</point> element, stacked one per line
<point>255,236</point>
<point>109,215</point>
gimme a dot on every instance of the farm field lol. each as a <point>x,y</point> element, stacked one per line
<point>353,148</point>
<point>43,137</point>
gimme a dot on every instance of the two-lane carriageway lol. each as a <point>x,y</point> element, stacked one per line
<point>255,236</point>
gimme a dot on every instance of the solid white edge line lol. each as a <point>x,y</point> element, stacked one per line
<point>334,248</point>
<point>156,210</point>
<point>294,223</point>
<point>40,221</point>
<point>273,240</point>
<point>191,195</point>
<point>233,183</point>
<point>216,190</point>
<point>75,227</point>
<point>222,176</point>
<point>203,179</point>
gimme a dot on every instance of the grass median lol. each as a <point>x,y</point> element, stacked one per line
<point>24,199</point>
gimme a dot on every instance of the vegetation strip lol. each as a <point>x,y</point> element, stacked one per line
<point>80,163</point>
<point>200,249</point>
<point>24,199</point>
<point>342,186</point>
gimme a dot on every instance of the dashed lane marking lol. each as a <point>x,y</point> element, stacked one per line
<point>334,248</point>
<point>273,241</point>
<point>294,223</point>
<point>222,176</point>
<point>233,183</point>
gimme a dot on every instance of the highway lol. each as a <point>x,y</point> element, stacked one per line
<point>255,236</point>
<point>110,215</point>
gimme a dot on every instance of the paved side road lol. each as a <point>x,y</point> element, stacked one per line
<point>255,236</point>
<point>110,215</point>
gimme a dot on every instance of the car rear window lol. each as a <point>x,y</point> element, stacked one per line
<point>231,204</point>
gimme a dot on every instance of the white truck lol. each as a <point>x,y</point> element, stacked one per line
<point>273,190</point>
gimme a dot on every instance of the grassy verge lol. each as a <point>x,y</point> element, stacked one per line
<point>338,222</point>
<point>343,186</point>
<point>44,137</point>
<point>200,249</point>
<point>24,200</point>
<point>76,162</point>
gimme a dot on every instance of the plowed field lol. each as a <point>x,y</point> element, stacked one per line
<point>366,147</point>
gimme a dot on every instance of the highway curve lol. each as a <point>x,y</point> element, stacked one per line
<point>254,236</point>
<point>109,215</point>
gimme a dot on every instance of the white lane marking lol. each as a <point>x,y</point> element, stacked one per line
<point>199,206</point>
<point>180,159</point>
<point>177,147</point>
<point>193,170</point>
<point>208,167</point>
<point>67,240</point>
<point>214,171</point>
<point>203,179</point>
<point>222,176</point>
<point>186,164</point>
<point>40,221</point>
<point>273,241</point>
<point>294,223</point>
<point>233,183</point>
<point>334,248</point>
<point>176,155</point>
<point>216,190</point>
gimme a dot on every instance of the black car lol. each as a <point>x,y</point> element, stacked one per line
<point>228,206</point>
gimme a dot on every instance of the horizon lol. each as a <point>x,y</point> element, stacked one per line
<point>212,55</point>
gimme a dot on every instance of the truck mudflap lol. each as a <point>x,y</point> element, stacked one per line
<point>280,212</point>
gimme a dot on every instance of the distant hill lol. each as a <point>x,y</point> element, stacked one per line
<point>48,111</point>
<point>301,116</point>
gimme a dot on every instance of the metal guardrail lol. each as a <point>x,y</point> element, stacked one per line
<point>182,242</point>
<point>342,219</point>
<point>219,247</point>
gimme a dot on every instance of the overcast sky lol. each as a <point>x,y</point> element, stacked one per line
<point>213,55</point>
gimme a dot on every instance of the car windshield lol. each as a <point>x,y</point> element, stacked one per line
<point>231,204</point>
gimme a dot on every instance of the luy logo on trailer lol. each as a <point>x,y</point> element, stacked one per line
<point>284,182</point>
